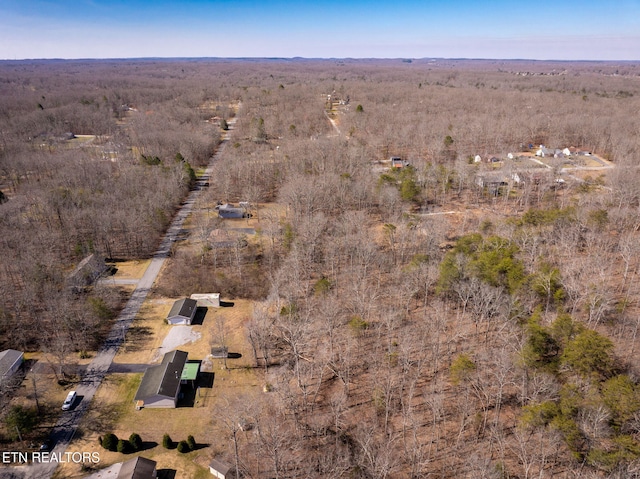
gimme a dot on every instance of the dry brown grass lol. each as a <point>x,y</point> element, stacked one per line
<point>113,408</point>
<point>133,269</point>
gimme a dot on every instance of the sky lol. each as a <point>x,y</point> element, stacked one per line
<point>500,29</point>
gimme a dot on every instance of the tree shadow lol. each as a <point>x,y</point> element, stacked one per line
<point>146,445</point>
<point>199,446</point>
<point>166,474</point>
<point>137,336</point>
<point>201,312</point>
<point>227,304</point>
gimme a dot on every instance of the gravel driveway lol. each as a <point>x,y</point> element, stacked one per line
<point>176,337</point>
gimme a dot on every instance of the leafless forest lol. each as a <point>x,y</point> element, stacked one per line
<point>410,322</point>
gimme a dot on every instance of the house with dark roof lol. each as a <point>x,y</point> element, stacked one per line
<point>10,362</point>
<point>160,386</point>
<point>138,468</point>
<point>88,271</point>
<point>229,211</point>
<point>182,311</point>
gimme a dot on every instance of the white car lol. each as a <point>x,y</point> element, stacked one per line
<point>71,397</point>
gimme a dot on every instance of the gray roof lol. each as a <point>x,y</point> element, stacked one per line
<point>183,307</point>
<point>8,358</point>
<point>220,466</point>
<point>163,379</point>
<point>137,468</point>
<point>230,211</point>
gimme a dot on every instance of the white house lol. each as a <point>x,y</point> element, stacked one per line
<point>182,311</point>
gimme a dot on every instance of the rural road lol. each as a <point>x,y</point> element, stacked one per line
<point>95,372</point>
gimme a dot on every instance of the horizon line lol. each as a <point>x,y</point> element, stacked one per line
<point>300,58</point>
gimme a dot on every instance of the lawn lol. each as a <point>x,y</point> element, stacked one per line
<point>113,407</point>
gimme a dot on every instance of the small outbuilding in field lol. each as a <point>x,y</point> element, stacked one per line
<point>208,300</point>
<point>182,311</point>
<point>219,469</point>
<point>160,386</point>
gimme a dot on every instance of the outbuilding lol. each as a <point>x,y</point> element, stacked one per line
<point>182,311</point>
<point>207,300</point>
<point>219,469</point>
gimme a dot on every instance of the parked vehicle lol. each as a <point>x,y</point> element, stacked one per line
<point>46,445</point>
<point>71,397</point>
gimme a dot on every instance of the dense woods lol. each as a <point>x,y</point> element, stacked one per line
<point>409,322</point>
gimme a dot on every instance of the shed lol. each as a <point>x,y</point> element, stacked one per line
<point>10,362</point>
<point>219,469</point>
<point>208,300</point>
<point>138,468</point>
<point>397,162</point>
<point>182,311</point>
<point>160,386</point>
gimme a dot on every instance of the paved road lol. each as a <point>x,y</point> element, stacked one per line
<point>95,372</point>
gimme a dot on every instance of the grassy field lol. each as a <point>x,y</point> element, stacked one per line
<point>113,406</point>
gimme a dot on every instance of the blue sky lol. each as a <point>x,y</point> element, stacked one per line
<point>545,29</point>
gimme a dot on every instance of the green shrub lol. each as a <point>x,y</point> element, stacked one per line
<point>110,442</point>
<point>357,324</point>
<point>136,441</point>
<point>461,369</point>
<point>183,447</point>
<point>589,354</point>
<point>123,446</point>
<point>539,415</point>
<point>191,442</point>
<point>20,418</point>
<point>167,443</point>
<point>492,260</point>
<point>322,286</point>
<point>540,349</point>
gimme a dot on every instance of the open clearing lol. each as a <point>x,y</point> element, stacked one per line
<point>113,408</point>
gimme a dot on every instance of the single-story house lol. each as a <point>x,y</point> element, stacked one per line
<point>219,469</point>
<point>160,386</point>
<point>87,272</point>
<point>138,468</point>
<point>10,362</point>
<point>230,211</point>
<point>208,300</point>
<point>182,311</point>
